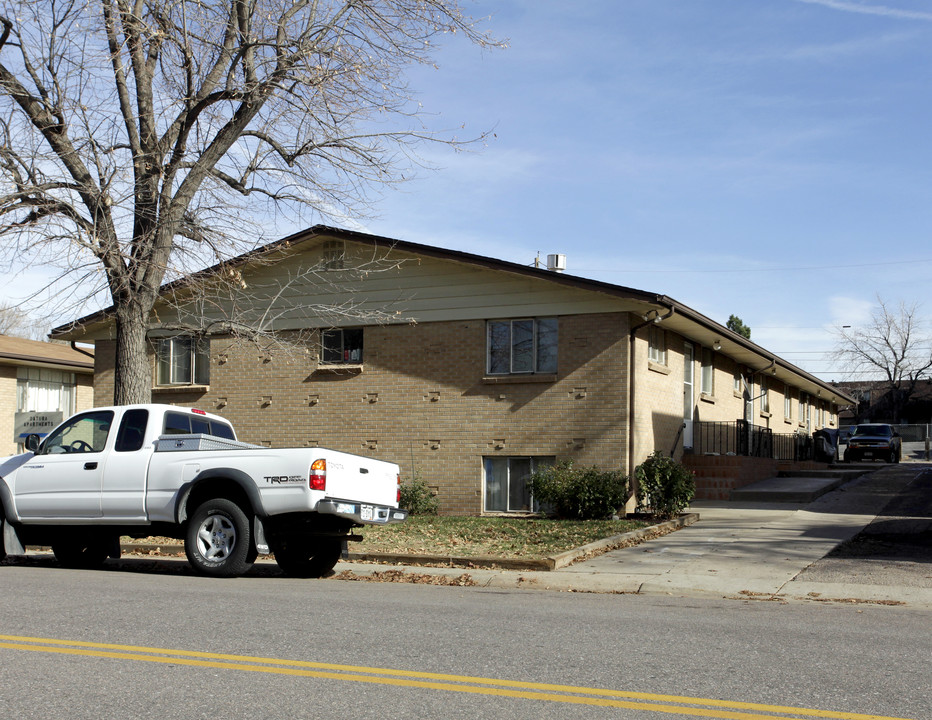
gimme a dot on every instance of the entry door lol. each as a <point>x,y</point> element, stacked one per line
<point>689,400</point>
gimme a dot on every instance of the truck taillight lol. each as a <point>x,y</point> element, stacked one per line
<point>318,478</point>
<point>398,495</point>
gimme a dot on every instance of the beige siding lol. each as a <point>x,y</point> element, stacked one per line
<point>413,289</point>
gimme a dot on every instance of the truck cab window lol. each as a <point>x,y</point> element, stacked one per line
<point>132,431</point>
<point>179,424</point>
<point>82,434</point>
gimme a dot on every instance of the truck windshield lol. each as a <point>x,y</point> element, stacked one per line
<point>881,430</point>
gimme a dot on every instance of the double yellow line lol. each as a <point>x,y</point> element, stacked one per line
<point>670,704</point>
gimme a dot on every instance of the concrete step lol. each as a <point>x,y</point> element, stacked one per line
<point>794,489</point>
<point>836,472</point>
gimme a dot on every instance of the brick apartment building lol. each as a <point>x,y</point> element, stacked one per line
<point>41,384</point>
<point>468,371</point>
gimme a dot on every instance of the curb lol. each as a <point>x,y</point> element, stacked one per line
<point>546,564</point>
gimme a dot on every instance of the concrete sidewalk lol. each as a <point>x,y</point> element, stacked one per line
<point>737,549</point>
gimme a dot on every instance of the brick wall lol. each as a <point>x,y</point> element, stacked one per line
<point>7,409</point>
<point>421,399</point>
<point>104,362</point>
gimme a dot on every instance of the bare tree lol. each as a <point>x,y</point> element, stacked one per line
<point>16,322</point>
<point>270,311</point>
<point>893,348</point>
<point>139,139</point>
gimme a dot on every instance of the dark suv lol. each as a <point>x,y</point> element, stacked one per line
<point>874,442</point>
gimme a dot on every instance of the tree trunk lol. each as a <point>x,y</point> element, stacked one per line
<point>133,376</point>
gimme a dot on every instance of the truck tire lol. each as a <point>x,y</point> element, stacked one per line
<point>305,557</point>
<point>218,539</point>
<point>82,552</point>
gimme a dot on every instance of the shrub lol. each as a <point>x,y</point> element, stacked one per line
<point>579,493</point>
<point>417,498</point>
<point>664,485</point>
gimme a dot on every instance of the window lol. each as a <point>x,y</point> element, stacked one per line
<point>82,434</point>
<point>183,360</point>
<point>707,373</point>
<point>657,346</point>
<point>787,403</point>
<point>764,395</point>
<point>132,430</point>
<point>40,390</point>
<point>737,386</point>
<point>334,254</point>
<point>339,346</point>
<point>186,424</point>
<point>803,415</point>
<point>522,346</point>
<point>506,486</point>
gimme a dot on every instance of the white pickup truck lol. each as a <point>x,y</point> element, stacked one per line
<point>143,470</point>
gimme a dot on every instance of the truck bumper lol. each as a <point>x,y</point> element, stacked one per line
<point>362,513</point>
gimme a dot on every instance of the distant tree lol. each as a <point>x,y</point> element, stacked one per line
<point>15,322</point>
<point>141,141</point>
<point>895,348</point>
<point>736,324</point>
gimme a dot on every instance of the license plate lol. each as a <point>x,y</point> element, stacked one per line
<point>868,454</point>
<point>366,512</point>
<point>347,508</point>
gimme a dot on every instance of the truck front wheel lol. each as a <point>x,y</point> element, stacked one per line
<point>306,557</point>
<point>218,539</point>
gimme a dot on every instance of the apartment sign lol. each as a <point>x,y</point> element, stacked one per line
<point>38,423</point>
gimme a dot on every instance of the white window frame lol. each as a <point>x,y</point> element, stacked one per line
<point>170,354</point>
<point>535,462</point>
<point>543,357</point>
<point>45,390</point>
<point>764,395</point>
<point>787,403</point>
<point>707,372</point>
<point>657,345</point>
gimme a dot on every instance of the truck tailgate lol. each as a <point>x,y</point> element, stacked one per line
<point>351,477</point>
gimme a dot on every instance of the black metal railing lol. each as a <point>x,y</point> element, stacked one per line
<point>745,439</point>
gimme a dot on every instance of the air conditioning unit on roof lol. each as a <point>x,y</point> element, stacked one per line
<point>556,263</point>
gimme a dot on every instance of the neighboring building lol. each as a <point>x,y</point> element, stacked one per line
<point>874,402</point>
<point>481,370</point>
<point>41,384</point>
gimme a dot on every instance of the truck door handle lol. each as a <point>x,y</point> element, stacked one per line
<point>90,466</point>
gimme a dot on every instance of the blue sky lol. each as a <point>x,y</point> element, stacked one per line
<point>767,158</point>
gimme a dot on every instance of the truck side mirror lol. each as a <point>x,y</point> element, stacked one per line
<point>32,442</point>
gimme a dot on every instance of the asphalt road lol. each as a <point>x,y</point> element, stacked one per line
<point>266,646</point>
<point>895,549</point>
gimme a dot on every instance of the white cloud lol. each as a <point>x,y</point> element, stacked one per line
<point>868,9</point>
<point>850,311</point>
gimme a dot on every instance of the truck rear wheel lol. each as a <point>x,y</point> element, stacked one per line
<point>305,557</point>
<point>218,539</point>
